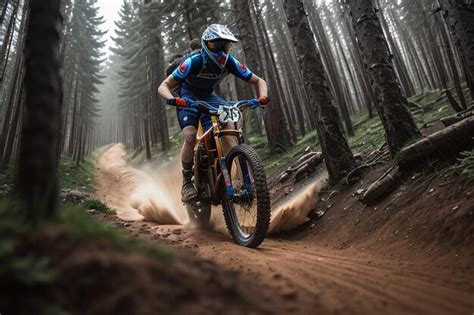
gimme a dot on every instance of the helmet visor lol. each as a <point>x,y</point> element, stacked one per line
<point>220,45</point>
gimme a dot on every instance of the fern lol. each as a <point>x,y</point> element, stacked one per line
<point>466,166</point>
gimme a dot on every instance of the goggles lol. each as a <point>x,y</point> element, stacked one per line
<point>220,45</point>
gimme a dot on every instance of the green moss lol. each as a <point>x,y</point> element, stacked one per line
<point>368,136</point>
<point>72,177</point>
<point>82,177</point>
<point>425,97</point>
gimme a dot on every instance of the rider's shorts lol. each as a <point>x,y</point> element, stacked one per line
<point>190,116</point>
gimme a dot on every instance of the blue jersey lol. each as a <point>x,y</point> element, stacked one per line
<point>201,75</point>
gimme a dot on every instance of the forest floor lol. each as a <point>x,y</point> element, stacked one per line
<point>411,253</point>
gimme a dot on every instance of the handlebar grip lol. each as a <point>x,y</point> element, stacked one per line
<point>178,102</point>
<point>171,101</point>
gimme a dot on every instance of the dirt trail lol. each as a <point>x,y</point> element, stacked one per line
<point>154,195</point>
<point>305,275</point>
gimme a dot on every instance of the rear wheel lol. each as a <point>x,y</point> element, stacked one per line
<point>247,213</point>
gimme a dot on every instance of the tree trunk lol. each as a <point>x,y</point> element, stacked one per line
<point>4,11</point>
<point>391,103</point>
<point>7,40</point>
<point>452,64</point>
<point>275,124</point>
<point>336,152</point>
<point>12,134</point>
<point>146,128</point>
<point>359,64</point>
<point>72,133</point>
<point>459,16</point>
<point>10,103</point>
<point>399,64</point>
<point>37,186</point>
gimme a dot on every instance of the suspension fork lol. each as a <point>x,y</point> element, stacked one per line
<point>244,166</point>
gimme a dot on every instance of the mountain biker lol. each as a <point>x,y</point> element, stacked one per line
<point>196,79</point>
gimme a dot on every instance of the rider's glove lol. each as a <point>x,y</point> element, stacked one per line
<point>178,102</point>
<point>263,100</point>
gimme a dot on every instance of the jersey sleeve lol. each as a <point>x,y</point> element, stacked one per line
<point>185,69</point>
<point>238,69</point>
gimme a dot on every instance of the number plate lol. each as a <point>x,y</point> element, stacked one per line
<point>228,114</point>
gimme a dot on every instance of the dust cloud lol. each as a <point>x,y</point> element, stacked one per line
<point>149,194</point>
<point>294,212</point>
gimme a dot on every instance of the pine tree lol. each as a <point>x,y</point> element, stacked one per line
<point>337,154</point>
<point>37,186</point>
<point>391,105</point>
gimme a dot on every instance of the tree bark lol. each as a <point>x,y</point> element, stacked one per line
<point>12,134</point>
<point>7,40</point>
<point>4,11</point>
<point>37,186</point>
<point>452,65</point>
<point>459,16</point>
<point>275,124</point>
<point>336,151</point>
<point>391,104</point>
<point>443,144</point>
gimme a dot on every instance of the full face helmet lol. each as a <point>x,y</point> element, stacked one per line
<point>217,40</point>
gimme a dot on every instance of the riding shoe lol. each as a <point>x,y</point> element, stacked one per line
<point>188,192</point>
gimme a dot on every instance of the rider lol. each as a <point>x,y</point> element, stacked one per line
<point>197,77</point>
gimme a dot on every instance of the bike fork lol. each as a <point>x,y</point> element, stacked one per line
<point>227,181</point>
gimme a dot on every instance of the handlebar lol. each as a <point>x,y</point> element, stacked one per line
<point>212,109</point>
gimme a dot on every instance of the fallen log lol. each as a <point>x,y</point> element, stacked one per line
<point>429,106</point>
<point>283,177</point>
<point>304,165</point>
<point>450,120</point>
<point>303,171</point>
<point>444,144</point>
<point>413,106</point>
<point>389,181</point>
<point>310,158</point>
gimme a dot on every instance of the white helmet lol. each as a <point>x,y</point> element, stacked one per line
<point>218,31</point>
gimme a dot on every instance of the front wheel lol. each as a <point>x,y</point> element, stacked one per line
<point>247,212</point>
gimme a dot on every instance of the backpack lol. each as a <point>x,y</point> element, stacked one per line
<point>179,60</point>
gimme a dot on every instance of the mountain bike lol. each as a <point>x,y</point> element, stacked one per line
<point>235,179</point>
